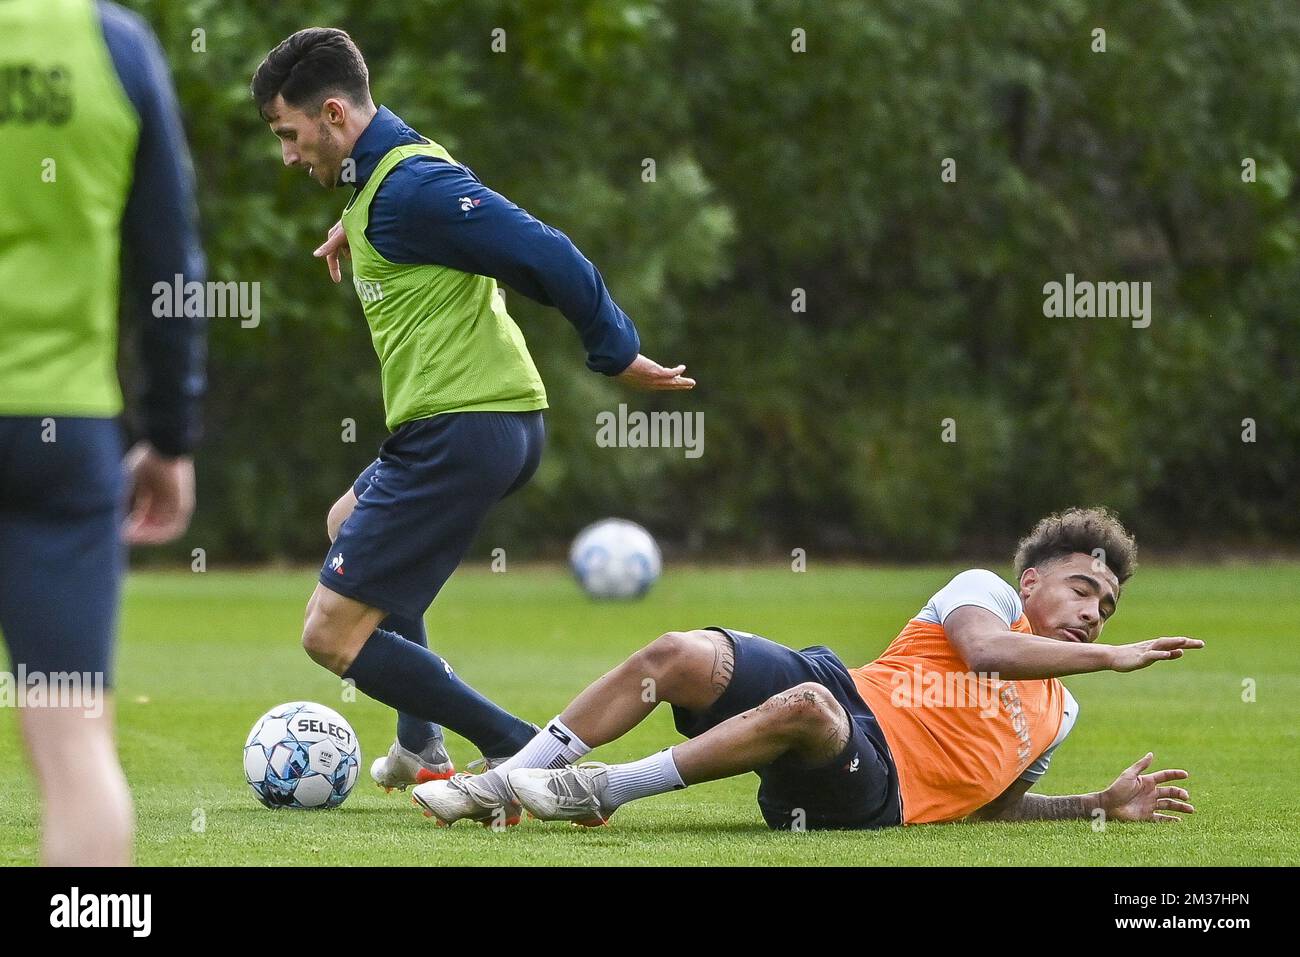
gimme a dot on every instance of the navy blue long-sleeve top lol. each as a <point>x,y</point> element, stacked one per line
<point>431,211</point>
<point>160,229</point>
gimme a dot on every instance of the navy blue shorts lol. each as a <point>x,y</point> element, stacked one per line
<point>420,504</point>
<point>859,789</point>
<point>62,504</point>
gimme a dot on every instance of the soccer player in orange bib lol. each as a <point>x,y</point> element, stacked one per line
<point>958,718</point>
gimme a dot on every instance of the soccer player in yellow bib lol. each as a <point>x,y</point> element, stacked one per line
<point>463,401</point>
<point>93,158</point>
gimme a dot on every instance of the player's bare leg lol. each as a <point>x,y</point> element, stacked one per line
<point>336,627</point>
<point>401,766</point>
<point>804,723</point>
<point>330,630</point>
<point>73,753</point>
<point>689,669</point>
<point>338,514</point>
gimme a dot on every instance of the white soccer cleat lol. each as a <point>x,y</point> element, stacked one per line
<point>401,768</point>
<point>465,797</point>
<point>576,793</point>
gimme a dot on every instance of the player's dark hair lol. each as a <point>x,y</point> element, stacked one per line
<point>1079,530</point>
<point>309,67</point>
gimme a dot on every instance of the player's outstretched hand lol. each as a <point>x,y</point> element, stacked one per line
<point>1142,797</point>
<point>335,243</point>
<point>162,495</point>
<point>1144,653</point>
<point>647,374</point>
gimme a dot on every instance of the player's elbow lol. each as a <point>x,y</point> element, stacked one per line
<point>982,655</point>
<point>995,655</point>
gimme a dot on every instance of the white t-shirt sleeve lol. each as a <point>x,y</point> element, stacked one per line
<point>976,586</point>
<point>1068,716</point>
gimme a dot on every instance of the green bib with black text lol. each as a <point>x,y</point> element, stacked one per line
<point>67,153</point>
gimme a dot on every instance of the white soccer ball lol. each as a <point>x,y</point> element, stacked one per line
<point>301,755</point>
<point>615,558</point>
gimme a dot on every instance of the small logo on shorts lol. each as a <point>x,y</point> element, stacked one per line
<point>336,563</point>
<point>852,765</point>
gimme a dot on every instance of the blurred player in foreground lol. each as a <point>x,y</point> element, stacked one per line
<point>93,152</point>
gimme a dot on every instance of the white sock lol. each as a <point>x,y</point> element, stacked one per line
<point>656,774</point>
<point>552,747</point>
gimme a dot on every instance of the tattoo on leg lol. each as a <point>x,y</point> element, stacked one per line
<point>724,663</point>
<point>777,701</point>
<point>770,704</point>
<point>834,742</point>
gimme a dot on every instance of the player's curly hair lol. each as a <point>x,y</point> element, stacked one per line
<point>310,66</point>
<point>1080,530</point>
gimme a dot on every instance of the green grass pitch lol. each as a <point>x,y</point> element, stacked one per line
<point>203,655</point>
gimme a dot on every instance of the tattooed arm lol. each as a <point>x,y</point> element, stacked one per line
<point>1016,804</point>
<point>1133,796</point>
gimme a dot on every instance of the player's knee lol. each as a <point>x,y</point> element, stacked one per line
<point>666,655</point>
<point>319,640</point>
<point>807,706</point>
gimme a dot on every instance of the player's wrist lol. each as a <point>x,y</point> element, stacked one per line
<point>1097,801</point>
<point>144,455</point>
<point>166,451</point>
<point>621,366</point>
<point>169,460</point>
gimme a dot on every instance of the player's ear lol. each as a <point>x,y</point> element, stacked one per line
<point>333,111</point>
<point>1028,580</point>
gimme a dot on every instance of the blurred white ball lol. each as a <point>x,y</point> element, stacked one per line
<point>615,558</point>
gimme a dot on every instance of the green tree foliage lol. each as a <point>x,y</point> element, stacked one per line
<point>778,170</point>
